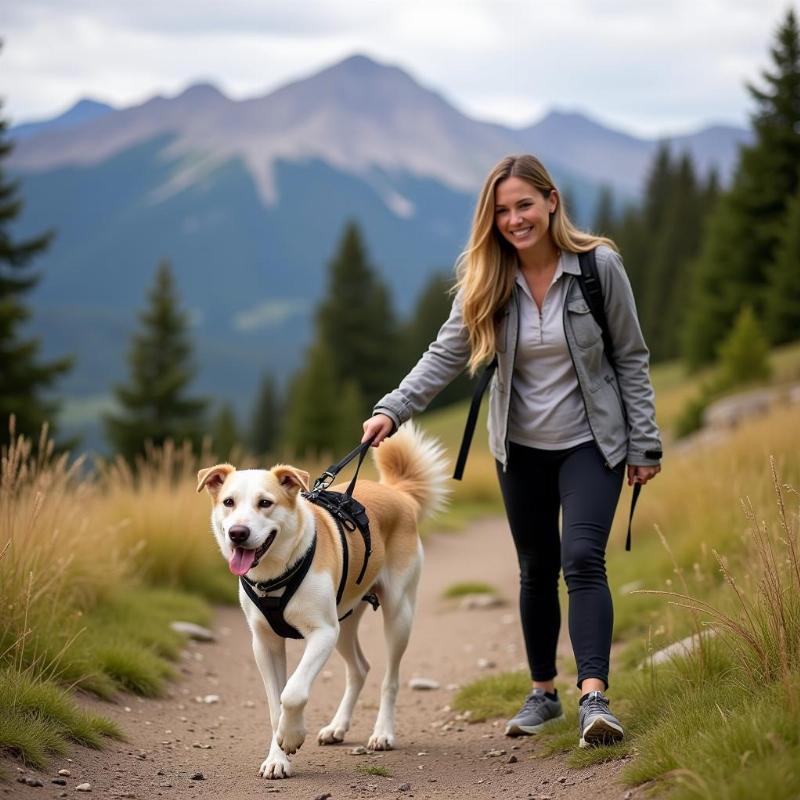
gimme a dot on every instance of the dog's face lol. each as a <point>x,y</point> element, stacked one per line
<point>255,513</point>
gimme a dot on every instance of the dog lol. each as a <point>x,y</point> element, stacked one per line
<point>264,525</point>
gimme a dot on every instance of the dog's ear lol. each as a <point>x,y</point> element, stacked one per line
<point>291,479</point>
<point>212,478</point>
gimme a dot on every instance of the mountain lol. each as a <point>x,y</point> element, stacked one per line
<point>248,198</point>
<point>85,110</point>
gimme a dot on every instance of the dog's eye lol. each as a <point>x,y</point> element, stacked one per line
<point>228,502</point>
<point>264,503</point>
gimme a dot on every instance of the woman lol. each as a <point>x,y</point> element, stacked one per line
<point>563,422</point>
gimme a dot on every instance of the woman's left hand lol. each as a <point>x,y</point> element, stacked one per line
<point>641,475</point>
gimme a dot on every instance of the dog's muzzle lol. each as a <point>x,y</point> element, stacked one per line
<point>244,559</point>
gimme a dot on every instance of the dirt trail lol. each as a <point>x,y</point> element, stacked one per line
<point>172,739</point>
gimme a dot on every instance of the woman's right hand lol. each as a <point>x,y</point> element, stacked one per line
<point>378,426</point>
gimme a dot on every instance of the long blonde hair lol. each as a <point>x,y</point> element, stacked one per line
<point>487,268</point>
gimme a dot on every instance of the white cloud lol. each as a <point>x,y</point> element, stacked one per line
<point>268,314</point>
<point>650,67</point>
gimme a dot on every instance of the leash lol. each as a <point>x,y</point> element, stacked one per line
<point>327,477</point>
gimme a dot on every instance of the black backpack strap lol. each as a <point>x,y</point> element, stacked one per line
<point>472,418</point>
<point>592,289</point>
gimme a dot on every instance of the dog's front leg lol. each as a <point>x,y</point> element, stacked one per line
<point>270,654</point>
<point>291,728</point>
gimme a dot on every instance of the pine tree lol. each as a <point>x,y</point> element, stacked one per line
<point>430,313</point>
<point>744,353</point>
<point>24,378</point>
<point>224,433</point>
<point>323,415</point>
<point>604,222</point>
<point>266,418</point>
<point>658,188</point>
<point>743,234</point>
<point>154,405</point>
<point>782,300</point>
<point>675,243</point>
<point>357,322</point>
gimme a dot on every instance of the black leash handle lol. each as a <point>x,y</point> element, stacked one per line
<point>637,488</point>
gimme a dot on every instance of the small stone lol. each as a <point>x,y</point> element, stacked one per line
<point>59,781</point>
<point>249,704</point>
<point>512,760</point>
<point>470,602</point>
<point>423,684</point>
<point>358,751</point>
<point>83,787</point>
<point>28,781</point>
<point>196,632</point>
<point>486,663</point>
<point>495,753</point>
<point>323,796</point>
<point>64,773</point>
<point>562,779</point>
<point>198,776</point>
<point>404,787</point>
<point>210,699</point>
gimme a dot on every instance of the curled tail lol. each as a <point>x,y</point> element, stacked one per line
<point>414,464</point>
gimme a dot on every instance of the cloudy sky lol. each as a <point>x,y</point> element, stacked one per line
<point>650,67</point>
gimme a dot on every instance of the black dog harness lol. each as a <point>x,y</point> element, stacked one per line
<point>349,515</point>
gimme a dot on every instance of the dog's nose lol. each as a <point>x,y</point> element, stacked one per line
<point>238,534</point>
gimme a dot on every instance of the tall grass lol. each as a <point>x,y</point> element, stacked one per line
<point>722,722</point>
<point>82,605</point>
<point>56,562</point>
<point>161,523</point>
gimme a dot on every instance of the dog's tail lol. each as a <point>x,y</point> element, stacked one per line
<point>414,464</point>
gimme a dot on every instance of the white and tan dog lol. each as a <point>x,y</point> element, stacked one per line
<point>264,525</point>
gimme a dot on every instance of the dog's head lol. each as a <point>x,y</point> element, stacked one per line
<point>254,511</point>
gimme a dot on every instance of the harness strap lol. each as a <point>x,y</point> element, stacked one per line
<point>345,561</point>
<point>273,607</point>
<point>350,514</point>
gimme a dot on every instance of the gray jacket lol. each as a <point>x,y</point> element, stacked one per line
<point>619,400</point>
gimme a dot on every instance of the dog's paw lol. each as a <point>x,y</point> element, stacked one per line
<point>331,734</point>
<point>289,739</point>
<point>381,741</point>
<point>276,768</point>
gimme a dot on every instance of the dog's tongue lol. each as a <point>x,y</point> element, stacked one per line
<point>241,560</point>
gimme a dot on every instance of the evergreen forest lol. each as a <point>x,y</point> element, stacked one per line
<point>711,267</point>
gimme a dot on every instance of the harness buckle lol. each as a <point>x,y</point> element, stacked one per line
<point>323,482</point>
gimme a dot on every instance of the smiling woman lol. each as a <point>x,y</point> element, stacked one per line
<point>570,404</point>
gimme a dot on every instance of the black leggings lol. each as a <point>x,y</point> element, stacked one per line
<point>535,485</point>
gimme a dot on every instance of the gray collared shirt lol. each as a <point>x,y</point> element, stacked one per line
<point>546,410</point>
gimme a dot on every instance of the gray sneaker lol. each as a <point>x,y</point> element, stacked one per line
<point>596,724</point>
<point>536,712</point>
